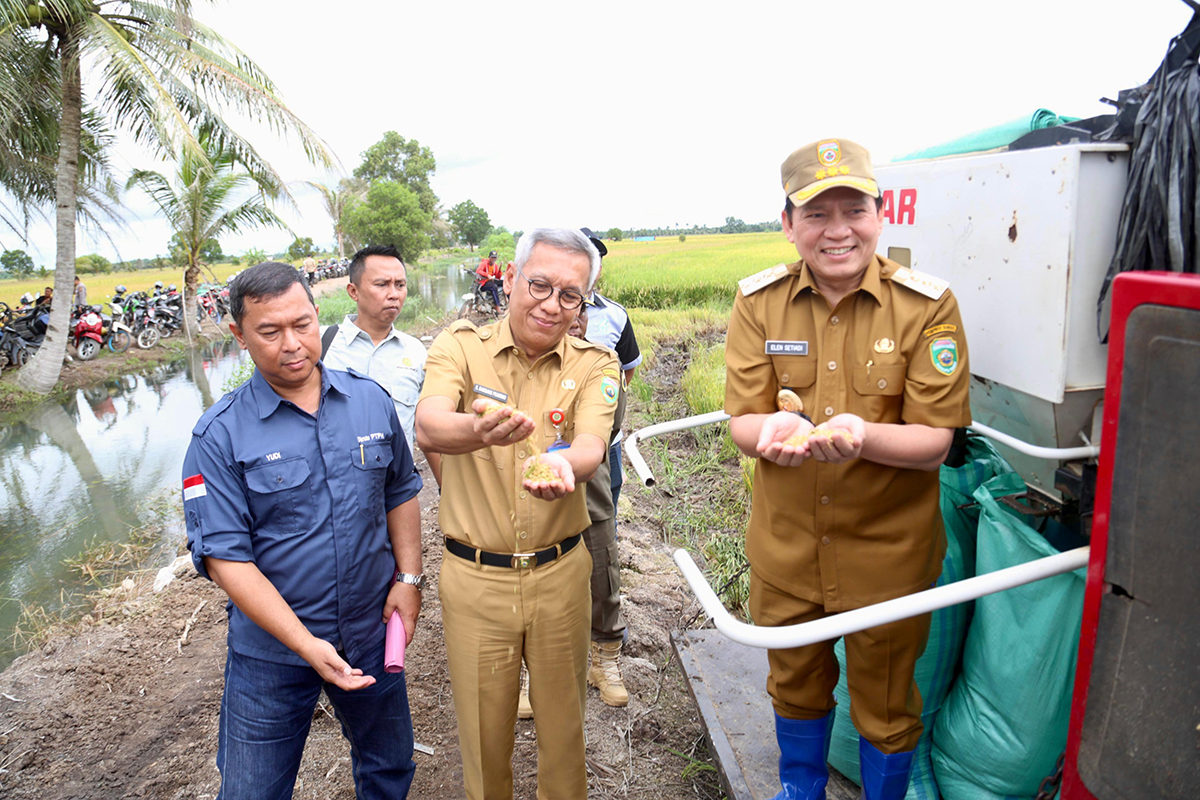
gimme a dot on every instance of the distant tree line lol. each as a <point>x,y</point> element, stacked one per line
<point>732,225</point>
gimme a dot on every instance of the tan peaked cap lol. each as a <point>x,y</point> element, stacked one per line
<point>825,164</point>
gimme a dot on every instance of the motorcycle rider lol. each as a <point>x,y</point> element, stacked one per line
<point>489,273</point>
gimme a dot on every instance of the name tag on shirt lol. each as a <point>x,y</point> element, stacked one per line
<point>778,347</point>
<point>499,397</point>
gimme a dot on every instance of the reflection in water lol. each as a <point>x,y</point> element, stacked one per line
<point>444,289</point>
<point>81,470</point>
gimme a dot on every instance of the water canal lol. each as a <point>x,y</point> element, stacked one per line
<point>105,465</point>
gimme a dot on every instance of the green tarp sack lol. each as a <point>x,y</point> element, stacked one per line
<point>936,668</point>
<point>990,138</point>
<point>1004,722</point>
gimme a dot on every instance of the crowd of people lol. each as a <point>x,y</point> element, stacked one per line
<point>830,389</point>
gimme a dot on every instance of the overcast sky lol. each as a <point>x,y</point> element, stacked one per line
<point>650,113</point>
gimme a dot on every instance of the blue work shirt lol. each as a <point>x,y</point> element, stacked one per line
<point>306,499</point>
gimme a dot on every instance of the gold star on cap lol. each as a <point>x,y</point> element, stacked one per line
<point>820,174</point>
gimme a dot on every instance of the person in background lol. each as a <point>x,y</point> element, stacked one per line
<point>300,499</point>
<point>368,341</point>
<point>846,375</point>
<point>80,292</point>
<point>498,400</point>
<point>489,273</point>
<point>46,299</point>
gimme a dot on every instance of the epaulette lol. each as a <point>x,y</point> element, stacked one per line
<point>461,325</point>
<point>583,344</point>
<point>762,279</point>
<point>931,286</point>
<point>214,411</point>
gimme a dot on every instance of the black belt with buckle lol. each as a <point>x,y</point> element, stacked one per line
<point>513,560</point>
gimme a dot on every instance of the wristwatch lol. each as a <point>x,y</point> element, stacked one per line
<point>412,580</point>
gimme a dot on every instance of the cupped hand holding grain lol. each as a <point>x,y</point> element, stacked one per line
<point>498,425</point>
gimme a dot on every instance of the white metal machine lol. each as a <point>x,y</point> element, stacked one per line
<point>1024,237</point>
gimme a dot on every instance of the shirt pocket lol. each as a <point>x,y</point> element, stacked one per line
<point>798,373</point>
<point>280,497</point>
<point>879,392</point>
<point>371,461</point>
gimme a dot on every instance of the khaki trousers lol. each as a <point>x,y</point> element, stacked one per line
<point>885,704</point>
<point>601,540</point>
<point>492,616</point>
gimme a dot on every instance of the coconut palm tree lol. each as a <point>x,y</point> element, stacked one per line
<point>335,201</point>
<point>29,141</point>
<point>158,74</point>
<point>200,205</point>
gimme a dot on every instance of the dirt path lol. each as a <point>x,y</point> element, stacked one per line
<point>124,710</point>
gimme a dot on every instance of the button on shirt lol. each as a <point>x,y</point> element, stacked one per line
<point>846,535</point>
<point>397,363</point>
<point>305,498</point>
<point>483,503</point>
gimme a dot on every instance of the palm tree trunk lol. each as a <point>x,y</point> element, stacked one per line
<point>191,310</point>
<point>41,373</point>
<point>341,245</point>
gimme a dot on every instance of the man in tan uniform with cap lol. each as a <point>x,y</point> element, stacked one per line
<point>514,580</point>
<point>866,361</point>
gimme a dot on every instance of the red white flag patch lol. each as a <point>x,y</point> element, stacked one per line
<point>193,487</point>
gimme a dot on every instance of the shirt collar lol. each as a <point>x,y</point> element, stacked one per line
<point>267,399</point>
<point>504,340</point>
<point>349,331</point>
<point>870,280</point>
<point>596,300</point>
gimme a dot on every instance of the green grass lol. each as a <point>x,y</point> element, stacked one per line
<point>102,286</point>
<point>704,270</point>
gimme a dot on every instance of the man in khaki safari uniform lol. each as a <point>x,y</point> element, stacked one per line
<point>844,514</point>
<point>514,579</point>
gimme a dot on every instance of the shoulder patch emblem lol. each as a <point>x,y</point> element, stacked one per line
<point>609,389</point>
<point>928,285</point>
<point>762,279</point>
<point>944,354</point>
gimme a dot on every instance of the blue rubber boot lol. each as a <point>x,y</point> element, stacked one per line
<point>884,777</point>
<point>803,756</point>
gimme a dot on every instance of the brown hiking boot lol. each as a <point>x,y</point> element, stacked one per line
<point>524,709</point>
<point>605,673</point>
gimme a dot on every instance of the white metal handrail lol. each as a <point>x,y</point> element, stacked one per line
<point>658,429</point>
<point>1037,451</point>
<point>860,619</point>
<point>685,423</point>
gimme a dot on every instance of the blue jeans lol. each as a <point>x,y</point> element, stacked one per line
<point>267,709</point>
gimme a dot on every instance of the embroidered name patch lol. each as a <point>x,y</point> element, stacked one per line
<point>499,397</point>
<point>936,329</point>
<point>777,347</point>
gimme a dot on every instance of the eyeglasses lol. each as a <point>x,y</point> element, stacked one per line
<point>540,290</point>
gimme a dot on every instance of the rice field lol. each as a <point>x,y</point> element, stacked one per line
<point>702,271</point>
<point>101,287</point>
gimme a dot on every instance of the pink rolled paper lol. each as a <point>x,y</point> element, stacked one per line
<point>394,644</point>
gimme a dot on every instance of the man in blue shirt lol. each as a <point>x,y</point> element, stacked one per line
<point>300,497</point>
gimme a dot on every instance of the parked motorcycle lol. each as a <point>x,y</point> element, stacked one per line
<point>87,332</point>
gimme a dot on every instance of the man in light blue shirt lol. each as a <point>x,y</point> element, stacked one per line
<point>368,342</point>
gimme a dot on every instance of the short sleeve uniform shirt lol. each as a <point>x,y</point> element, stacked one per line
<point>483,503</point>
<point>847,535</point>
